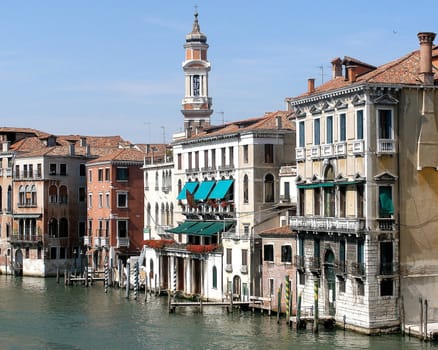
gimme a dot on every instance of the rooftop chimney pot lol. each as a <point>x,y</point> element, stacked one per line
<point>311,85</point>
<point>426,42</point>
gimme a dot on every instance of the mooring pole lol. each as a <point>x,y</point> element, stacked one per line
<point>425,318</point>
<point>280,290</point>
<point>315,316</point>
<point>135,280</point>
<point>420,299</point>
<point>128,278</point>
<point>106,275</point>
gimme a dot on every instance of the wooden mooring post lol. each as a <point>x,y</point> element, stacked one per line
<point>315,315</point>
<point>128,278</point>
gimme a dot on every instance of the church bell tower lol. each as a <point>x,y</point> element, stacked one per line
<point>196,105</point>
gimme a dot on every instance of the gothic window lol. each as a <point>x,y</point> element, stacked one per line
<point>269,188</point>
<point>245,189</point>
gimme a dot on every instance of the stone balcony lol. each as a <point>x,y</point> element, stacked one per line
<point>313,223</point>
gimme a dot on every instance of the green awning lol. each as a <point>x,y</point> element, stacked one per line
<point>204,190</point>
<point>385,200</point>
<point>190,186</point>
<point>316,185</point>
<point>198,228</point>
<point>216,227</point>
<point>221,189</point>
<point>182,227</point>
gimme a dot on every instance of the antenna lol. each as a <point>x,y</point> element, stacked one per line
<point>321,67</point>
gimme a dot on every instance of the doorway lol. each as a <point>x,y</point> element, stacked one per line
<point>330,282</point>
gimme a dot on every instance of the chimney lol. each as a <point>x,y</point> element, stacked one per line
<point>351,73</point>
<point>71,147</point>
<point>426,42</point>
<point>336,68</point>
<point>278,122</point>
<point>87,150</point>
<point>83,141</point>
<point>311,85</point>
<point>6,146</point>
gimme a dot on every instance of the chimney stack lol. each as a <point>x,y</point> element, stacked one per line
<point>72,148</point>
<point>336,68</point>
<point>278,123</point>
<point>426,42</point>
<point>311,85</point>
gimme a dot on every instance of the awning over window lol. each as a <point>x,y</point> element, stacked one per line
<point>221,189</point>
<point>182,227</point>
<point>198,228</point>
<point>386,205</point>
<point>216,227</point>
<point>329,184</point>
<point>189,186</point>
<point>204,190</point>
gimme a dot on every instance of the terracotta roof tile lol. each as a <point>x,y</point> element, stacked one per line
<point>124,154</point>
<point>283,231</point>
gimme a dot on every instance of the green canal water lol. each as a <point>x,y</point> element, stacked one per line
<point>41,314</point>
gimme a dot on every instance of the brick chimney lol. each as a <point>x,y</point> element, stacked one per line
<point>336,68</point>
<point>311,85</point>
<point>426,43</point>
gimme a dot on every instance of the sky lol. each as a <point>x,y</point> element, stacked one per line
<point>107,67</point>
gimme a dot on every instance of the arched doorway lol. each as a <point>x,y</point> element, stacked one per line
<point>330,281</point>
<point>18,266</point>
<point>236,287</point>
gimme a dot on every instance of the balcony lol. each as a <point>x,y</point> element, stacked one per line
<point>226,167</point>
<point>388,269</point>
<point>21,238</point>
<point>96,241</point>
<point>340,268</point>
<point>315,264</point>
<point>341,149</point>
<point>327,150</point>
<point>208,169</point>
<point>357,270</point>
<point>284,198</point>
<point>299,262</point>
<point>122,242</point>
<point>244,269</point>
<point>300,153</point>
<point>312,223</point>
<point>386,224</point>
<point>385,146</point>
<point>228,268</point>
<point>192,171</point>
<point>358,147</point>
<point>104,242</point>
<point>315,152</point>
<point>87,240</point>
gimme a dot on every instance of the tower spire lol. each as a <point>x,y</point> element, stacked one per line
<point>196,105</point>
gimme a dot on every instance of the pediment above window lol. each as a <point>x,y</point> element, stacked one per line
<point>359,177</point>
<point>386,176</point>
<point>358,100</point>
<point>299,179</point>
<point>340,104</point>
<point>327,107</point>
<point>385,99</point>
<point>315,178</point>
<point>299,113</point>
<point>340,177</point>
<point>315,110</point>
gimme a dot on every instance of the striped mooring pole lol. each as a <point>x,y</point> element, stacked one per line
<point>174,281</point>
<point>315,316</point>
<point>106,274</point>
<point>135,280</point>
<point>287,298</point>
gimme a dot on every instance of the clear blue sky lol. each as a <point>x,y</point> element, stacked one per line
<point>103,67</point>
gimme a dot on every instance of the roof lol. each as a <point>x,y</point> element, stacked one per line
<point>278,231</point>
<point>122,155</point>
<point>264,123</point>
<point>404,70</point>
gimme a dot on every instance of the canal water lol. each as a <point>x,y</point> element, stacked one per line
<point>41,314</point>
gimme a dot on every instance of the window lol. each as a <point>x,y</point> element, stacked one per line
<point>360,288</point>
<point>316,132</point>
<point>229,256</point>
<point>245,189</point>
<point>359,124</point>
<point>301,199</point>
<point>26,254</point>
<point>386,207</point>
<point>53,227</point>
<point>360,252</point>
<point>100,200</point>
<point>316,248</point>
<point>342,251</point>
<point>9,200</point>
<point>385,124</point>
<point>122,200</point>
<point>268,252</point>
<point>53,252</point>
<point>269,188</point>
<point>329,201</point>
<point>342,201</point>
<point>107,200</point>
<point>190,160</point>
<point>341,285</point>
<point>17,171</point>
<point>342,127</point>
<point>63,195</point>
<point>223,156</point>
<point>52,169</point>
<point>39,171</point>
<point>63,169</point>
<point>286,254</point>
<point>301,278</point>
<point>62,253</point>
<point>90,175</point>
<point>197,159</point>
<point>206,158</point>
<point>179,161</point>
<point>386,287</point>
<point>286,190</point>
<point>317,201</point>
<point>231,156</point>
<point>81,229</point>
<point>196,85</point>
<point>213,158</point>
<point>122,228</point>
<point>122,174</point>
<point>245,153</point>
<point>244,257</point>
<point>100,175</point>
<point>63,227</point>
<point>301,135</point>
<point>81,169</point>
<point>90,200</point>
<point>25,171</point>
<point>329,136</point>
<point>81,194</point>
<point>31,171</point>
<point>214,274</point>
<point>107,174</point>
<point>53,194</point>
<point>271,286</point>
<point>360,197</point>
<point>386,258</point>
<point>269,153</point>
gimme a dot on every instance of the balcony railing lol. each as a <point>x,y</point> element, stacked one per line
<point>385,146</point>
<point>386,224</point>
<point>284,198</point>
<point>340,268</point>
<point>87,240</point>
<point>208,169</point>
<point>299,262</point>
<point>192,171</point>
<point>25,238</point>
<point>226,167</point>
<point>327,223</point>
<point>315,264</point>
<point>341,149</point>
<point>388,268</point>
<point>122,242</point>
<point>357,269</point>
<point>327,150</point>
<point>315,152</point>
<point>358,147</point>
<point>229,268</point>
<point>21,175</point>
<point>300,153</point>
<point>244,269</point>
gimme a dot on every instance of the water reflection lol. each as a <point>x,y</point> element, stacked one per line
<point>41,314</point>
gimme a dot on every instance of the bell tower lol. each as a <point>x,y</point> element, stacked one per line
<point>196,105</point>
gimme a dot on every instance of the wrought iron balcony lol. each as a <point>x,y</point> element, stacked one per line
<point>25,238</point>
<point>357,269</point>
<point>340,268</point>
<point>229,268</point>
<point>122,242</point>
<point>299,262</point>
<point>315,264</point>
<point>386,224</point>
<point>312,223</point>
<point>244,269</point>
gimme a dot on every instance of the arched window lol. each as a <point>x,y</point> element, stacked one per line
<point>171,214</point>
<point>196,85</point>
<point>156,181</point>
<point>148,215</point>
<point>53,194</point>
<point>53,227</point>
<point>156,214</point>
<point>33,195</point>
<point>167,214</point>
<point>63,194</point>
<point>163,215</point>
<point>329,192</point>
<point>63,227</point>
<point>214,277</point>
<point>269,188</point>
<point>21,195</point>
<point>9,199</point>
<point>245,189</point>
<point>28,195</point>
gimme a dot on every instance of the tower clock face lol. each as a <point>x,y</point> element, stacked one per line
<point>196,85</point>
